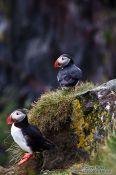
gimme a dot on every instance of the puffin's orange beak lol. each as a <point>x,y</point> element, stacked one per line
<point>9,121</point>
<point>57,64</point>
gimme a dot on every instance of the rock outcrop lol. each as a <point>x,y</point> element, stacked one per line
<point>75,120</point>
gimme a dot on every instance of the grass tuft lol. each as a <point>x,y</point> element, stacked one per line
<point>15,153</point>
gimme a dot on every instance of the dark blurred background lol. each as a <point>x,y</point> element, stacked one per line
<point>33,33</point>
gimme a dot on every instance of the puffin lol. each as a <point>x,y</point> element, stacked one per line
<point>69,74</point>
<point>28,137</point>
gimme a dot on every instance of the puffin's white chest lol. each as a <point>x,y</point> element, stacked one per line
<point>19,138</point>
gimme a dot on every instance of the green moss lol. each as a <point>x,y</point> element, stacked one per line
<point>83,87</point>
<point>53,108</point>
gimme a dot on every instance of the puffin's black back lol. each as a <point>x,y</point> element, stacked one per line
<point>69,75</point>
<point>35,139</point>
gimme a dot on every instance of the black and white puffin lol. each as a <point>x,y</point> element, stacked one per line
<point>27,136</point>
<point>69,74</point>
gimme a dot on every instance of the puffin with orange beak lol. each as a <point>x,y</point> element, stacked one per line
<point>69,74</point>
<point>27,136</point>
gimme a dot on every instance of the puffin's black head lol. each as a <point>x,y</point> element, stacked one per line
<point>63,61</point>
<point>16,116</point>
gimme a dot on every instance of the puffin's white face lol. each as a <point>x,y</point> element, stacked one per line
<point>62,61</point>
<point>16,116</point>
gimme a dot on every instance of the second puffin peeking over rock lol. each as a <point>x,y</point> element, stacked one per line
<point>69,74</point>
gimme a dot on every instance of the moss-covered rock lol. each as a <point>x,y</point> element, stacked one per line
<point>75,120</point>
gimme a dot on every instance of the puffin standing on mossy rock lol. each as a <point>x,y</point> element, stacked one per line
<point>69,74</point>
<point>27,136</point>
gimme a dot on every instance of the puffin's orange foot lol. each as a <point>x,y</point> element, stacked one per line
<point>26,157</point>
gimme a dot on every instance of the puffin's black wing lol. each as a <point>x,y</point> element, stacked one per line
<point>76,73</point>
<point>35,139</point>
<point>69,76</point>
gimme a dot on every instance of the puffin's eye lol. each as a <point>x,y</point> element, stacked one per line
<point>17,113</point>
<point>63,58</point>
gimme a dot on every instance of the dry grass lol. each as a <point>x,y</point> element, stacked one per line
<point>15,153</point>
